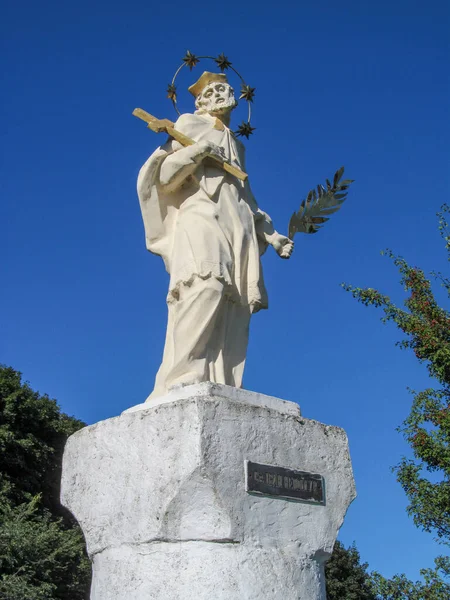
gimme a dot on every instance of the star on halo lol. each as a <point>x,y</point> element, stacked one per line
<point>172,91</point>
<point>222,62</point>
<point>245,129</point>
<point>190,60</point>
<point>247,92</point>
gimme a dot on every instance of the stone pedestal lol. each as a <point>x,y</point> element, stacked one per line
<point>160,493</point>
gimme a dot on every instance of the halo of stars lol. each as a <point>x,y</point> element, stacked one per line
<point>247,92</point>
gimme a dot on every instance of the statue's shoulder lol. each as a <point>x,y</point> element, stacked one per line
<point>194,126</point>
<point>189,122</point>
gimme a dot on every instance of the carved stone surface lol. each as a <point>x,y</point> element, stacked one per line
<point>210,389</point>
<point>160,495</point>
<point>208,228</point>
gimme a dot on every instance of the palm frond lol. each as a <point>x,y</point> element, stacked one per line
<point>319,204</point>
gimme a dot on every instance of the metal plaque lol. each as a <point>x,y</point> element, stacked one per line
<point>284,483</point>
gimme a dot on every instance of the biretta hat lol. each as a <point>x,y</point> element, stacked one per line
<point>205,80</point>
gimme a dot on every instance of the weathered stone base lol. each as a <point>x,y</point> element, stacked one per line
<point>204,571</point>
<point>160,495</point>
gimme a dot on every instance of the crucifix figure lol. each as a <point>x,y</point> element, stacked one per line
<point>206,225</point>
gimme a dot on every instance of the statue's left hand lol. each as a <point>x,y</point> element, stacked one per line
<point>283,245</point>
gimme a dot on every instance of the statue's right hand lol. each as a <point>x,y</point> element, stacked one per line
<point>208,148</point>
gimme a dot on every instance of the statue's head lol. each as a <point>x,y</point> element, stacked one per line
<point>213,94</point>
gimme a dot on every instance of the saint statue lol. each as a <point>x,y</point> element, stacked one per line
<point>206,225</point>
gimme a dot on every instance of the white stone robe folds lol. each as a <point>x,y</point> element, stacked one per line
<point>209,231</point>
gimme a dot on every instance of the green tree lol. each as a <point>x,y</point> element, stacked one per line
<point>348,579</point>
<point>425,477</point>
<point>40,558</point>
<point>42,550</point>
<point>435,584</point>
<point>346,576</point>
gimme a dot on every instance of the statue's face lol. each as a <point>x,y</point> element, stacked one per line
<point>216,98</point>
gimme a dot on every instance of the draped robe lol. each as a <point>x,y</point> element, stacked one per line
<point>209,231</point>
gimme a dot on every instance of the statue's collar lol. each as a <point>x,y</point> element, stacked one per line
<point>217,123</point>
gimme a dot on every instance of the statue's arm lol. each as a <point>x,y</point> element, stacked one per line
<point>177,167</point>
<point>264,226</point>
<point>267,233</point>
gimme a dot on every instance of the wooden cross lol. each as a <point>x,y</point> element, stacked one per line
<point>164,125</point>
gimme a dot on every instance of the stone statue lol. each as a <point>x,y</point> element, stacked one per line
<point>210,491</point>
<point>206,225</point>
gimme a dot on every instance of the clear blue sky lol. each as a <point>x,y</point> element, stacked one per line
<point>364,84</point>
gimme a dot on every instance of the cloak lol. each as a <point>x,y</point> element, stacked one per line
<point>210,226</point>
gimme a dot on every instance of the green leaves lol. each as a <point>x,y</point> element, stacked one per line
<point>346,576</point>
<point>427,430</point>
<point>426,328</point>
<point>41,556</point>
<point>348,579</point>
<point>32,435</point>
<point>434,586</point>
